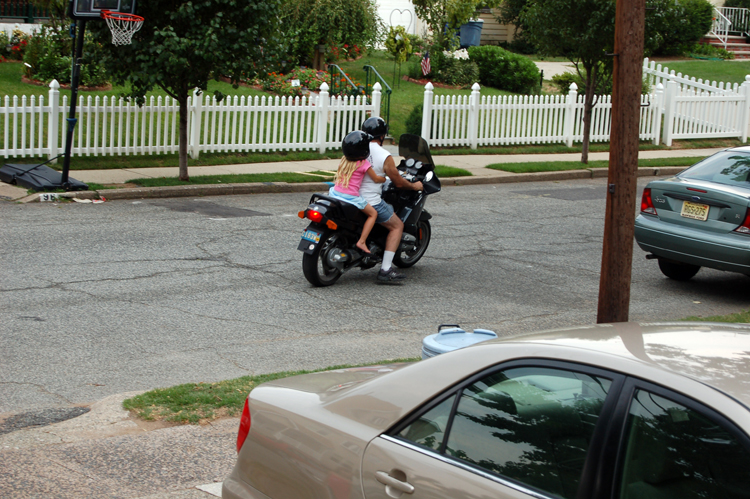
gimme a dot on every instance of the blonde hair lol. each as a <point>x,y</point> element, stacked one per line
<point>345,171</point>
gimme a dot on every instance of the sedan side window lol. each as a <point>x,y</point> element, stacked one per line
<point>673,451</point>
<point>530,424</point>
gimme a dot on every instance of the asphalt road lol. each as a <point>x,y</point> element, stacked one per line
<point>99,299</point>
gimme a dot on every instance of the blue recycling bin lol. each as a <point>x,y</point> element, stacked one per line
<point>471,33</point>
<point>453,338</point>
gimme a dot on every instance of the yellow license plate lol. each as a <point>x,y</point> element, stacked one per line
<point>694,210</point>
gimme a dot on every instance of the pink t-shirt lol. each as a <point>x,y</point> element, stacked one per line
<point>355,181</point>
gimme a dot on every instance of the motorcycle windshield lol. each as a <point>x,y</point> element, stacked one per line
<point>414,146</point>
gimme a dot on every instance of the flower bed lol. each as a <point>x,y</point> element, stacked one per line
<point>296,83</point>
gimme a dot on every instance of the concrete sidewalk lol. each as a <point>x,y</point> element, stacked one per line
<point>474,163</point>
<point>106,454</point>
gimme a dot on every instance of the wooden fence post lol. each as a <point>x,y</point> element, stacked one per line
<point>53,129</point>
<point>195,107</point>
<point>376,100</point>
<point>659,103</point>
<point>427,112</point>
<point>322,116</point>
<point>570,112</point>
<point>474,116</point>
<point>669,97</point>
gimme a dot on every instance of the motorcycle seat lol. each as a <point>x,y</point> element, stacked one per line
<point>346,210</point>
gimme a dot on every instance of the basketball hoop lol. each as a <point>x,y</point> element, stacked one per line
<point>122,26</point>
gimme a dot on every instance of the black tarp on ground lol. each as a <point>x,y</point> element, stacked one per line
<point>38,177</point>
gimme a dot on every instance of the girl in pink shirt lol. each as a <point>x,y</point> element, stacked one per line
<point>352,169</point>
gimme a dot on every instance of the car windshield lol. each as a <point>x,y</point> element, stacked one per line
<point>726,167</point>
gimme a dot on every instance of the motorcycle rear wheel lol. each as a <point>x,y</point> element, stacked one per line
<point>315,267</point>
<point>405,259</point>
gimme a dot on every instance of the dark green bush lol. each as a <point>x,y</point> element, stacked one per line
<point>457,72</point>
<point>505,70</point>
<point>674,26</point>
<point>49,55</point>
<point>414,121</point>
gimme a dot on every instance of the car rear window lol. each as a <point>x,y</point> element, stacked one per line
<point>726,167</point>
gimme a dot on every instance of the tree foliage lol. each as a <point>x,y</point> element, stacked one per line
<point>583,32</point>
<point>454,13</point>
<point>334,23</point>
<point>674,26</point>
<point>184,43</point>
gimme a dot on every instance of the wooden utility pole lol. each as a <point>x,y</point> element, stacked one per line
<point>617,252</point>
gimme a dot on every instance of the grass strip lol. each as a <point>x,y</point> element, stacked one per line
<point>196,403</point>
<point>554,166</point>
<point>292,178</point>
<point>739,317</point>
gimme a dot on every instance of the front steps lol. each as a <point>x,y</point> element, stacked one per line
<point>735,44</point>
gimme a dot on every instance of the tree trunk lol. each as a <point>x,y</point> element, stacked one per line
<point>619,219</point>
<point>182,99</point>
<point>588,105</point>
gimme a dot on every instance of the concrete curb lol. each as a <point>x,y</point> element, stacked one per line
<point>284,187</point>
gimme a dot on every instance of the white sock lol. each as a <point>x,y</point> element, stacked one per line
<point>387,259</point>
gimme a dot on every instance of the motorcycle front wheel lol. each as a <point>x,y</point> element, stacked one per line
<point>405,259</point>
<point>316,267</point>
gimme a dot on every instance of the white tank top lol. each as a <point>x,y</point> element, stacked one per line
<point>370,190</point>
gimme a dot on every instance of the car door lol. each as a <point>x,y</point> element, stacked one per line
<point>673,446</point>
<point>523,429</point>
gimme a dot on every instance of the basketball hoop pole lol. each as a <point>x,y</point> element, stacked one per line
<point>74,78</point>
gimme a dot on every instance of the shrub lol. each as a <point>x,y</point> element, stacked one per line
<point>334,23</point>
<point>564,80</point>
<point>674,26</point>
<point>281,84</point>
<point>413,122</point>
<point>14,46</point>
<point>708,51</point>
<point>505,70</point>
<point>48,54</point>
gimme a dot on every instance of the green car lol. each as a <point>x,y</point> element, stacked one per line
<point>700,217</point>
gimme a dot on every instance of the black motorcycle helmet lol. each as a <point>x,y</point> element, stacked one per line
<point>356,145</point>
<point>375,126</point>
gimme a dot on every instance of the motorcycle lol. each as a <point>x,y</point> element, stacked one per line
<point>328,242</point>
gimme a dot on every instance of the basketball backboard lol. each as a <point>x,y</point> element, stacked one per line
<point>87,9</point>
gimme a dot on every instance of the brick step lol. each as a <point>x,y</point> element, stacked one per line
<point>730,39</point>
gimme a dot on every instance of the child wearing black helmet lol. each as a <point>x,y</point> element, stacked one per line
<point>352,169</point>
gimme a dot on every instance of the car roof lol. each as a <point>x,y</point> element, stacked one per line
<point>714,354</point>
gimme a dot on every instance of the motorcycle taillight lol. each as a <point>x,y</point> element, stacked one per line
<point>314,216</point>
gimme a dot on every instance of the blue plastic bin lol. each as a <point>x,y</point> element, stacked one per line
<point>447,340</point>
<point>471,33</point>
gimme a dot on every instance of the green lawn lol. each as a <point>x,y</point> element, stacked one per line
<point>732,71</point>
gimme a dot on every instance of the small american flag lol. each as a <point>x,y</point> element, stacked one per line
<point>426,64</point>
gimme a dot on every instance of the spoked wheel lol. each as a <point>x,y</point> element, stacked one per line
<point>405,259</point>
<point>317,267</point>
<point>678,271</point>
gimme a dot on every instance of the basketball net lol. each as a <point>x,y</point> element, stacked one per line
<point>122,26</point>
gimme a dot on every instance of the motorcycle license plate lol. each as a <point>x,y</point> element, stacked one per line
<point>694,211</point>
<point>311,235</point>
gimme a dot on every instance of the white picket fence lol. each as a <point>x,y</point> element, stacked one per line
<point>478,120</point>
<point>36,127</point>
<point>678,107</point>
<point>656,73</point>
<point>686,109</point>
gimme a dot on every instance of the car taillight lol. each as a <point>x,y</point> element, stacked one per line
<point>744,228</point>
<point>647,206</point>
<point>244,426</point>
<point>314,216</point>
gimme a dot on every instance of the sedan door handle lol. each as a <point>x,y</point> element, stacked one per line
<point>389,481</point>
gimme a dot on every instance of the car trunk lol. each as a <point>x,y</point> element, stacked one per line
<point>699,204</point>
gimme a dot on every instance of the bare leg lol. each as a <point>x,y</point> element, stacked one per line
<point>369,224</point>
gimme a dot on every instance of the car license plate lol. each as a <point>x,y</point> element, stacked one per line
<point>694,210</point>
<point>311,235</point>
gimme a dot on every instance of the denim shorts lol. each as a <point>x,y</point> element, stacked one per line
<point>385,212</point>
